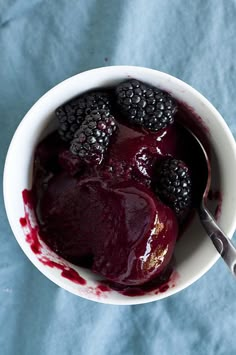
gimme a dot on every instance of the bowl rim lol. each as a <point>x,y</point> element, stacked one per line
<point>28,116</point>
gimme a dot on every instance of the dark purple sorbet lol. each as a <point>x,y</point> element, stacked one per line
<point>109,214</point>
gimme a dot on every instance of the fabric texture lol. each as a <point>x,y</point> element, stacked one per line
<point>43,42</point>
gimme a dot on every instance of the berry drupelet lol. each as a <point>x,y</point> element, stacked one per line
<point>145,105</point>
<point>71,114</point>
<point>173,185</point>
<point>92,138</point>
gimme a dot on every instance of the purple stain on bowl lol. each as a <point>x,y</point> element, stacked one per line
<point>31,231</point>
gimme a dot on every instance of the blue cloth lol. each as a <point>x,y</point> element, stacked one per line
<point>41,44</point>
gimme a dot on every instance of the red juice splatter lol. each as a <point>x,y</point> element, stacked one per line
<point>27,197</point>
<point>32,239</point>
<point>103,288</point>
<point>73,276</point>
<point>67,271</point>
<point>32,233</point>
<point>23,222</point>
<point>164,288</point>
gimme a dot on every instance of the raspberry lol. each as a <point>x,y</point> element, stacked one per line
<point>145,105</point>
<point>92,138</point>
<point>173,185</point>
<point>71,114</point>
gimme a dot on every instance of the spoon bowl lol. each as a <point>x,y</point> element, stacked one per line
<point>202,186</point>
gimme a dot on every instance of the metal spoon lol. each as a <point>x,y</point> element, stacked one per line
<point>221,242</point>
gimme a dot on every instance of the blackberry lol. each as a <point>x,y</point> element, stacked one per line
<point>145,105</point>
<point>173,185</point>
<point>117,170</point>
<point>71,114</point>
<point>92,138</point>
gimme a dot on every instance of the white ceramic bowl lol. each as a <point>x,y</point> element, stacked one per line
<point>194,253</point>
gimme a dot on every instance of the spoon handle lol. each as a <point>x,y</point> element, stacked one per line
<point>222,243</point>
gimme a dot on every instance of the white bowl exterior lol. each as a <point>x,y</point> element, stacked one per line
<point>195,253</point>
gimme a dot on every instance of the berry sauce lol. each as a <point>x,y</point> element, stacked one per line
<point>31,230</point>
<point>106,217</point>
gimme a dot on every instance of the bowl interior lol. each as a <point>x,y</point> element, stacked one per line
<point>194,253</point>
